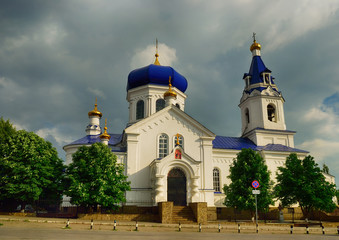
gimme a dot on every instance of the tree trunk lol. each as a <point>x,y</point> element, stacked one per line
<point>23,206</point>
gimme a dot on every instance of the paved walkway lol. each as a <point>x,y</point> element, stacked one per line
<point>54,234</point>
<point>53,228</point>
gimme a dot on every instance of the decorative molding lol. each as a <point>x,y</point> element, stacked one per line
<point>222,160</point>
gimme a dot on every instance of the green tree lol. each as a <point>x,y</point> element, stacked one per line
<point>325,169</point>
<point>302,182</point>
<point>6,130</point>
<point>29,169</point>
<point>95,178</point>
<point>247,167</point>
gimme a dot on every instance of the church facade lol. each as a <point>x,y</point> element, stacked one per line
<point>169,156</point>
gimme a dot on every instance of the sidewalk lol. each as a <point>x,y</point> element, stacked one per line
<point>225,226</point>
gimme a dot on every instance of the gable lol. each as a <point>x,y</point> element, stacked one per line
<point>171,117</point>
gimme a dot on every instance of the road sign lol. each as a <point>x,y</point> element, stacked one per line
<point>255,184</point>
<point>255,191</point>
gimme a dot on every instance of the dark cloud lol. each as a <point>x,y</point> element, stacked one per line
<point>57,56</point>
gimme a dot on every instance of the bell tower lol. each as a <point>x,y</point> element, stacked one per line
<point>262,105</point>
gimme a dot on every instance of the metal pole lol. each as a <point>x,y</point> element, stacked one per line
<point>256,211</point>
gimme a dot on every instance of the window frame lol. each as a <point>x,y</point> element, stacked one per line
<point>247,115</point>
<point>216,180</point>
<point>140,110</point>
<point>159,104</point>
<point>163,145</point>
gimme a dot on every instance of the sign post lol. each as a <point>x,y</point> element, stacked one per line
<point>255,185</point>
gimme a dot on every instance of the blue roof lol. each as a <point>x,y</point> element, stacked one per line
<point>280,148</point>
<point>90,139</point>
<point>155,74</point>
<point>257,67</point>
<point>238,143</point>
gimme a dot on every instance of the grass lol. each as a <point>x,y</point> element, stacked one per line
<point>1,224</point>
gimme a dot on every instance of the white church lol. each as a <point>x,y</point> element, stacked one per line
<point>169,156</point>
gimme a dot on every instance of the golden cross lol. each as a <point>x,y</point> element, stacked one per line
<point>156,45</point>
<point>178,135</point>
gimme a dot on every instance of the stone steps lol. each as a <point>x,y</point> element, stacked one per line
<point>182,214</point>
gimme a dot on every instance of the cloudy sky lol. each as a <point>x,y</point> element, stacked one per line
<point>57,56</point>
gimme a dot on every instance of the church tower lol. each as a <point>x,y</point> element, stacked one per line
<point>146,87</point>
<point>262,105</point>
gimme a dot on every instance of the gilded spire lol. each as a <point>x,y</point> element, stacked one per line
<point>95,111</point>
<point>255,45</point>
<point>105,135</point>
<point>170,92</point>
<point>156,62</point>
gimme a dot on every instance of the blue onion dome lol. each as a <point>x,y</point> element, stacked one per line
<point>158,75</point>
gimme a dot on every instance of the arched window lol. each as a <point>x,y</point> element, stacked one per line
<point>140,109</point>
<point>247,115</point>
<point>163,146</point>
<point>216,180</point>
<point>177,105</point>
<point>181,141</point>
<point>271,114</point>
<point>160,104</point>
<point>267,78</point>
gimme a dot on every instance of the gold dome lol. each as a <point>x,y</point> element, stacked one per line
<point>105,135</point>
<point>95,111</point>
<point>170,92</point>
<point>255,45</point>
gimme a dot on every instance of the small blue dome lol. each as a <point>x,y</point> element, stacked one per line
<point>155,74</point>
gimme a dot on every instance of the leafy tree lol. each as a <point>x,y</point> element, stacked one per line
<point>325,169</point>
<point>302,182</point>
<point>6,130</point>
<point>247,167</point>
<point>29,169</point>
<point>95,178</point>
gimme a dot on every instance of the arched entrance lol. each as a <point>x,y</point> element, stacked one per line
<point>176,187</point>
